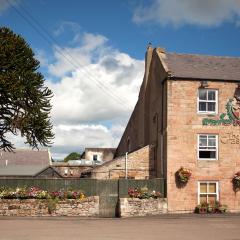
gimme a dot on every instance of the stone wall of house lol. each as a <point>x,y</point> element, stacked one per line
<point>134,207</point>
<point>103,154</point>
<point>138,165</point>
<point>49,172</point>
<point>145,126</point>
<point>184,125</point>
<point>70,171</point>
<point>35,207</point>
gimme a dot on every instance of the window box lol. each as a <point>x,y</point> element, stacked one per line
<point>210,208</point>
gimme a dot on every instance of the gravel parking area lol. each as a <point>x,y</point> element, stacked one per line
<point>186,227</point>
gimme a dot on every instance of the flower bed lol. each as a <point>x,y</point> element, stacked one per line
<point>211,208</point>
<point>37,193</point>
<point>143,193</point>
<point>37,202</point>
<point>142,202</point>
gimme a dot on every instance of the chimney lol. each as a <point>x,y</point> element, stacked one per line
<point>148,59</point>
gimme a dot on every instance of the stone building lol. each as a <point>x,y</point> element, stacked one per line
<point>138,166</point>
<point>98,155</point>
<point>188,114</point>
<point>24,163</point>
<point>69,169</point>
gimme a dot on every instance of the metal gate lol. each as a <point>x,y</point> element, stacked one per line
<point>108,198</point>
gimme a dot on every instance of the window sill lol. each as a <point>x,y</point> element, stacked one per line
<point>207,159</point>
<point>207,113</point>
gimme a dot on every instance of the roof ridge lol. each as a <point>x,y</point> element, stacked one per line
<point>201,55</point>
<point>30,150</point>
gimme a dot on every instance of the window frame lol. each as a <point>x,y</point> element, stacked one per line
<point>93,157</point>
<point>198,147</point>
<point>217,190</point>
<point>216,102</point>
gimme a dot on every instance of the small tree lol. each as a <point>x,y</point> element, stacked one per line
<point>24,100</point>
<point>72,156</point>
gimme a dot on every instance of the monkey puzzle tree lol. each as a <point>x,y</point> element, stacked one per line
<point>24,100</point>
<point>72,156</point>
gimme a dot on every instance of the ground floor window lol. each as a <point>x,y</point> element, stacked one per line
<point>208,192</point>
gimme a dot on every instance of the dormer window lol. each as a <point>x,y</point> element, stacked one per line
<point>207,101</point>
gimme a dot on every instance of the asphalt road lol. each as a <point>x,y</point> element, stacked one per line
<point>188,227</point>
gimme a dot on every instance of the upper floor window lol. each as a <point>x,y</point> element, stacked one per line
<point>95,157</point>
<point>207,147</point>
<point>207,101</point>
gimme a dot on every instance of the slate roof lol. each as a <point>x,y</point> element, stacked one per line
<point>19,170</point>
<point>203,66</point>
<point>25,157</point>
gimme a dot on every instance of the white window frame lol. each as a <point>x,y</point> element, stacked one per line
<point>217,190</point>
<point>215,101</point>
<point>198,146</point>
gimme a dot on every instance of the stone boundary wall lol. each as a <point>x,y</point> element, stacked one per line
<point>88,207</point>
<point>134,207</point>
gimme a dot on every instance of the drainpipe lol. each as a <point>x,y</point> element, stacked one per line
<point>126,169</point>
<point>163,173</point>
<point>155,158</point>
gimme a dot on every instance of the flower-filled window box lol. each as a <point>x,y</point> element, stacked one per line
<point>216,207</point>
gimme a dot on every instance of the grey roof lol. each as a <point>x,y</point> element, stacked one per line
<point>101,149</point>
<point>18,170</point>
<point>203,66</point>
<point>25,157</point>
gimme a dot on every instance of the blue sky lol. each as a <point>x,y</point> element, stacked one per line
<point>92,53</point>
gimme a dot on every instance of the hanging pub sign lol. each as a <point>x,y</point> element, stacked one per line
<point>232,116</point>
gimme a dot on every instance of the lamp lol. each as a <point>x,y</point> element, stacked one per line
<point>204,84</point>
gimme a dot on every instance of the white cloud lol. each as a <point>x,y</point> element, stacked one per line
<point>104,87</point>
<point>6,4</point>
<point>71,138</point>
<point>41,56</point>
<point>73,26</point>
<point>196,12</point>
<point>95,95</point>
<point>69,59</point>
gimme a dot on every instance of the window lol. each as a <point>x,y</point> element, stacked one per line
<point>207,147</point>
<point>95,157</point>
<point>207,101</point>
<point>208,192</point>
